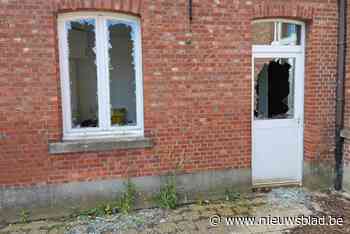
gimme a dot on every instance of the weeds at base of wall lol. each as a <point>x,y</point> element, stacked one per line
<point>232,195</point>
<point>124,204</point>
<point>24,216</point>
<point>168,196</point>
<point>167,199</point>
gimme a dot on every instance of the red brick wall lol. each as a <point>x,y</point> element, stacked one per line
<point>197,95</point>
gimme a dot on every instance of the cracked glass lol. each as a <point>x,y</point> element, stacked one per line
<point>122,75</point>
<point>274,88</point>
<point>82,73</point>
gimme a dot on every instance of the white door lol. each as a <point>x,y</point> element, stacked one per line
<point>277,118</point>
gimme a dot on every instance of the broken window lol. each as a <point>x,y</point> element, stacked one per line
<point>274,88</point>
<point>276,33</point>
<point>82,73</point>
<point>100,59</point>
<point>122,74</point>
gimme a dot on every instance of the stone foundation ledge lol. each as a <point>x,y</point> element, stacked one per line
<point>53,201</point>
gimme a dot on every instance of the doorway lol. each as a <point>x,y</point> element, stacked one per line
<point>278,102</point>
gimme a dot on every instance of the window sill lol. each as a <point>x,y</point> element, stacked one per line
<point>98,145</point>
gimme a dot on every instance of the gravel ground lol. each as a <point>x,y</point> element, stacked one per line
<point>100,225</point>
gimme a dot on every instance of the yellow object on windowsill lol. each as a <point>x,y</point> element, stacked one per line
<point>119,116</point>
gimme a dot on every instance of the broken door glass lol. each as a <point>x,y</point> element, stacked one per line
<point>274,88</point>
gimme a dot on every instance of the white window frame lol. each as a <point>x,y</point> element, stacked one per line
<point>105,128</point>
<point>277,46</point>
<point>277,49</point>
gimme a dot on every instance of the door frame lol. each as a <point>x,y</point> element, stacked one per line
<point>266,51</point>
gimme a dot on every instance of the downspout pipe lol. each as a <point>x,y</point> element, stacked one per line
<point>190,11</point>
<point>339,121</point>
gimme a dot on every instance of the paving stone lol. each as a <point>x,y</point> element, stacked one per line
<point>57,231</point>
<point>219,229</point>
<point>147,231</point>
<point>259,201</point>
<point>276,228</point>
<point>15,229</point>
<point>166,227</point>
<point>262,212</point>
<point>258,228</point>
<point>241,210</point>
<point>208,213</point>
<point>278,212</point>
<point>238,229</point>
<point>130,231</point>
<point>182,210</point>
<point>227,212</point>
<point>186,226</point>
<point>176,218</point>
<point>215,206</point>
<point>203,225</point>
<point>198,208</point>
<point>192,215</point>
<point>37,225</point>
<point>36,231</point>
<point>189,232</point>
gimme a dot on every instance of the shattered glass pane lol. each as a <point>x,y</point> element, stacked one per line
<point>274,88</point>
<point>82,73</point>
<point>122,73</point>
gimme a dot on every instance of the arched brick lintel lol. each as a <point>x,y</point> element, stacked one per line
<point>288,11</point>
<point>125,6</point>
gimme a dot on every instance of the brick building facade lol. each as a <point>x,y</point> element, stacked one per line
<point>196,92</point>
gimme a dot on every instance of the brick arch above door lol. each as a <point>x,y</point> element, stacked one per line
<point>285,10</point>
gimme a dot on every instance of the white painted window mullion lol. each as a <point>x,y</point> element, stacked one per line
<point>106,63</point>
<point>138,71</point>
<point>65,80</point>
<point>279,31</point>
<point>101,87</point>
<point>275,39</point>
